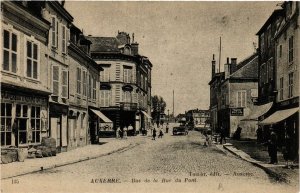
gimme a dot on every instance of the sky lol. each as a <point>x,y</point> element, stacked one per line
<point>179,38</point>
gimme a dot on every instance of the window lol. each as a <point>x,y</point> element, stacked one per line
<point>90,87</point>
<point>104,75</point>
<point>6,124</point>
<point>36,124</point>
<point>142,81</point>
<point>32,59</point>
<point>94,89</point>
<point>241,98</point>
<point>270,69</point>
<point>78,81</point>
<point>63,38</point>
<point>281,88</point>
<point>10,51</point>
<point>291,84</point>
<point>263,74</point>
<point>55,80</point>
<point>105,98</point>
<point>291,49</point>
<point>127,73</point>
<point>21,121</point>
<point>84,83</point>
<point>280,51</point>
<point>64,84</point>
<point>54,33</point>
<point>262,43</point>
<point>269,36</point>
<point>126,96</point>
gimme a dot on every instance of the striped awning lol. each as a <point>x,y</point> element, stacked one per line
<point>279,116</point>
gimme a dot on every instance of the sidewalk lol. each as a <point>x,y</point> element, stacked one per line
<point>109,146</point>
<point>257,154</point>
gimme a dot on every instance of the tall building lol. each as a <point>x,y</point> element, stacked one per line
<point>84,97</point>
<point>125,81</point>
<point>24,77</point>
<point>239,92</point>
<point>285,116</point>
<point>58,64</point>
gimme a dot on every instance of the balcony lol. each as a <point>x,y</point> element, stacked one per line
<point>127,106</point>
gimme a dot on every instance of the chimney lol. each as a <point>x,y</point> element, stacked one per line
<point>233,65</point>
<point>227,69</point>
<point>213,67</point>
<point>135,49</point>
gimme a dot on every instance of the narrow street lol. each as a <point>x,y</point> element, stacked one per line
<point>178,162</point>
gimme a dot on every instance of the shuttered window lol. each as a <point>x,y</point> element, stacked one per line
<point>64,84</point>
<point>78,81</point>
<point>55,80</point>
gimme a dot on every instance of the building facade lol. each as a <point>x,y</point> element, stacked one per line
<point>266,58</point>
<point>24,78</point>
<point>125,81</point>
<point>58,64</point>
<point>285,116</point>
<point>197,117</point>
<point>239,92</point>
<point>84,97</point>
<point>215,95</point>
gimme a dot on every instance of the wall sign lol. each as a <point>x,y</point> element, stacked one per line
<point>237,112</point>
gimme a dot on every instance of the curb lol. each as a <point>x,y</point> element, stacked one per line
<point>271,173</point>
<point>42,168</point>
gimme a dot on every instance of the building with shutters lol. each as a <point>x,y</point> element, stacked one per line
<point>125,89</point>
<point>83,91</point>
<point>58,64</point>
<point>24,77</point>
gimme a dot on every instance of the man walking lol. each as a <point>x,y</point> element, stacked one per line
<point>222,130</point>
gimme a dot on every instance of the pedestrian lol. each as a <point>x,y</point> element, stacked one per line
<point>161,134</point>
<point>287,150</point>
<point>125,132</point>
<point>118,132</point>
<point>237,133</point>
<point>154,134</point>
<point>167,128</point>
<point>222,130</point>
<point>259,134</point>
<point>272,147</point>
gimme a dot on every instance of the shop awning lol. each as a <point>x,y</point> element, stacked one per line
<point>279,116</point>
<point>101,116</point>
<point>258,111</point>
<point>146,114</point>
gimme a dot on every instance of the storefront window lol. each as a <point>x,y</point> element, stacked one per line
<point>6,124</point>
<point>35,124</point>
<point>21,121</point>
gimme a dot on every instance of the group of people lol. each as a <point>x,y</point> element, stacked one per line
<point>161,133</point>
<point>122,133</point>
<point>268,137</point>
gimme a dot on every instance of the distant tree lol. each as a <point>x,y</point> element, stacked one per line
<point>158,107</point>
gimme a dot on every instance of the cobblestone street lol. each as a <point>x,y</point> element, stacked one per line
<point>154,166</point>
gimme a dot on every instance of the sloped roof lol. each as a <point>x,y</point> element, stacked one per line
<point>104,44</point>
<point>248,68</point>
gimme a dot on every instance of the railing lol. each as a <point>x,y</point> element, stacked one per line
<point>127,106</point>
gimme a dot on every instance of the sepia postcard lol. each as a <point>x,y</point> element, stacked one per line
<point>150,96</point>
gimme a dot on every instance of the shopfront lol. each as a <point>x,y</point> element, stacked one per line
<point>24,118</point>
<point>58,125</point>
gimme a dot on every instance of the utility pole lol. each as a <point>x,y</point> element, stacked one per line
<point>173,104</point>
<point>220,54</point>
